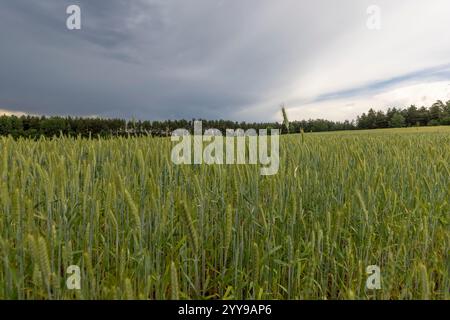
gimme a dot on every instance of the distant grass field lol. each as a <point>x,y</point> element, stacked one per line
<point>431,129</point>
<point>140,227</point>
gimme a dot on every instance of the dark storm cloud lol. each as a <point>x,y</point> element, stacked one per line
<point>148,59</point>
<point>155,59</point>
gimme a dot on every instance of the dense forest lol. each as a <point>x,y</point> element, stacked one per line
<point>34,127</point>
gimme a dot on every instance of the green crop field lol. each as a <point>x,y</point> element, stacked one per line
<point>140,227</point>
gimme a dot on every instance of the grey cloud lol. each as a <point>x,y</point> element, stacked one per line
<point>156,59</point>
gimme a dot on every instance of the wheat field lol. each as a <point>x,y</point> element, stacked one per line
<point>140,227</point>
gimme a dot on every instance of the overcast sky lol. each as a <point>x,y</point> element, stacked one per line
<point>231,59</point>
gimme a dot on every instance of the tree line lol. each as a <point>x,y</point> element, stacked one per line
<point>35,127</point>
<point>437,114</point>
